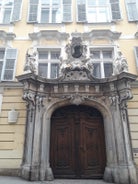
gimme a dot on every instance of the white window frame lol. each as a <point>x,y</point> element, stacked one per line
<point>49,7</point>
<point>2,11</point>
<point>4,60</point>
<point>101,60</point>
<point>15,14</point>
<point>110,13</point>
<point>135,2</point>
<point>97,14</point>
<point>39,6</point>
<point>49,61</point>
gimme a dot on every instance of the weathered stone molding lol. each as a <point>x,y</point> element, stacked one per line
<point>6,36</point>
<point>101,34</point>
<point>49,35</point>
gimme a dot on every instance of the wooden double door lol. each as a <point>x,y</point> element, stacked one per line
<point>77,146</point>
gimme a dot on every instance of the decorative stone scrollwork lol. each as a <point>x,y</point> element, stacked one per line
<point>76,57</point>
<point>31,61</point>
<point>39,102</point>
<point>29,97</point>
<point>114,100</point>
<point>127,95</point>
<point>76,75</point>
<point>120,64</point>
<point>75,99</point>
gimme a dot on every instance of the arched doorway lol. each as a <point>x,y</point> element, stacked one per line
<point>77,144</point>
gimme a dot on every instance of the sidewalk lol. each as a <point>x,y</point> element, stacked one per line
<point>18,180</point>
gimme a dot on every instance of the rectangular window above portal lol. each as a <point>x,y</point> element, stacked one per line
<point>102,58</point>
<point>48,62</point>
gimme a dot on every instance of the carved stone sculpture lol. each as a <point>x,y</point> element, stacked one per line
<point>31,65</point>
<point>76,57</point>
<point>120,64</point>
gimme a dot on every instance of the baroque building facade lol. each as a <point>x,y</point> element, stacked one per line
<point>69,90</point>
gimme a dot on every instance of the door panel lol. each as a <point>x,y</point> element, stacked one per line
<point>62,152</point>
<point>77,143</point>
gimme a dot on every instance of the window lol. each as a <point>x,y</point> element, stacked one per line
<point>103,61</point>
<point>98,11</point>
<point>8,59</point>
<point>50,11</point>
<point>132,10</point>
<point>10,11</point>
<point>48,63</point>
<point>136,55</point>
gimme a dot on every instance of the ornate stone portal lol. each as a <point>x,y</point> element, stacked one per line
<point>76,85</point>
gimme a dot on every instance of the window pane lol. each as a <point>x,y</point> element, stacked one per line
<point>107,54</point>
<point>91,3</point>
<point>55,54</point>
<point>2,54</point>
<point>8,75</point>
<point>9,2</point>
<point>42,69</point>
<point>7,15</point>
<point>54,70</point>
<point>95,54</point>
<point>9,67</point>
<point>43,55</point>
<point>81,8</point>
<point>133,12</point>
<point>11,54</point>
<point>45,15</point>
<point>66,13</point>
<point>9,64</point>
<point>108,69</point>
<point>45,2</point>
<point>56,15</point>
<point>97,70</point>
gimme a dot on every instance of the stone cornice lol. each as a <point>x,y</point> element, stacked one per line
<point>6,36</point>
<point>120,77</point>
<point>101,34</point>
<point>49,35</point>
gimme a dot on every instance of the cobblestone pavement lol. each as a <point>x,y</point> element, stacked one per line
<point>17,180</point>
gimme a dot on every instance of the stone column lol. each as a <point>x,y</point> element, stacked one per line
<point>123,170</point>
<point>45,169</point>
<point>111,147</point>
<point>36,153</point>
<point>130,166</point>
<point>27,157</point>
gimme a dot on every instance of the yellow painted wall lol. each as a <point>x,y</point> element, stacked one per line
<point>133,120</point>
<point>12,135</point>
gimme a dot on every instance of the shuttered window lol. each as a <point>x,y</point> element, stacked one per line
<point>8,59</point>
<point>136,55</point>
<point>50,11</point>
<point>48,66</point>
<point>98,11</point>
<point>132,10</point>
<point>10,11</point>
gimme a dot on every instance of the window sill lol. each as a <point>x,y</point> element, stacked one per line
<point>50,24</point>
<point>6,25</point>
